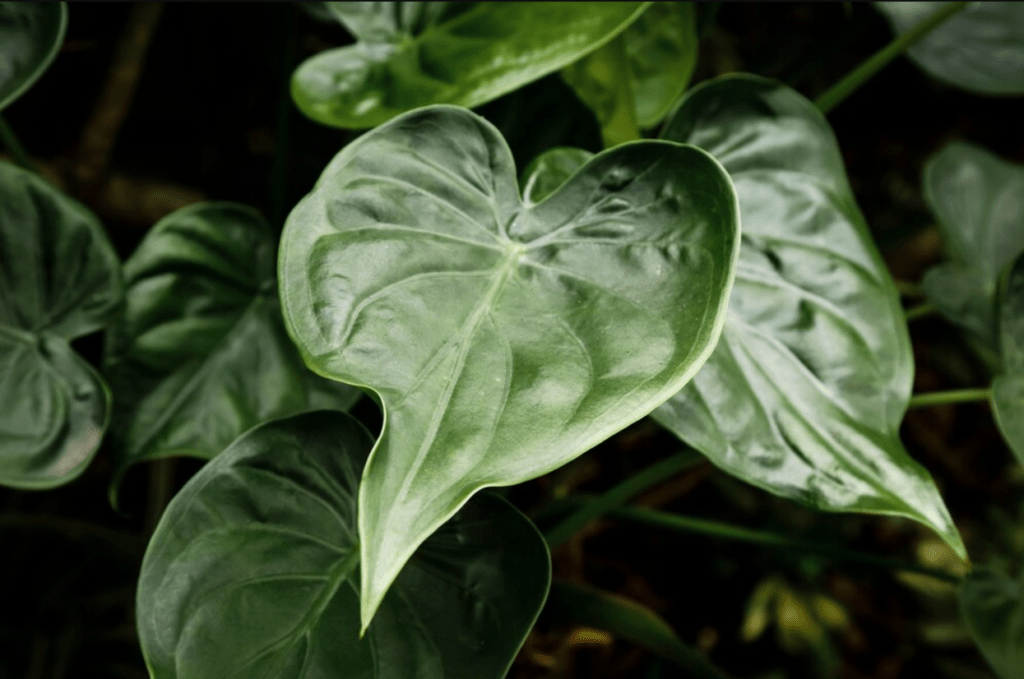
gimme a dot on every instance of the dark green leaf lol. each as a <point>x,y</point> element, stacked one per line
<point>629,620</point>
<point>503,340</point>
<point>634,80</point>
<point>992,603</point>
<point>805,392</point>
<point>980,48</point>
<point>976,198</point>
<point>418,55</point>
<point>201,353</point>
<point>1008,388</point>
<point>549,171</point>
<point>59,279</point>
<point>250,572</point>
<point>30,35</point>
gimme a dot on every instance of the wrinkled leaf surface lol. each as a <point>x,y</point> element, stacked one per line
<point>976,198</point>
<point>201,354</point>
<point>805,392</point>
<point>979,49</point>
<point>59,279</point>
<point>31,33</point>
<point>414,54</point>
<point>992,604</point>
<point>251,572</point>
<point>503,340</point>
<point>1008,388</point>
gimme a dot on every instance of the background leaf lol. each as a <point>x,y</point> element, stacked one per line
<point>257,555</point>
<point>466,57</point>
<point>1008,388</point>
<point>634,80</point>
<point>976,198</point>
<point>979,49</point>
<point>503,341</point>
<point>59,279</point>
<point>805,392</point>
<point>31,33</point>
<point>201,354</point>
<point>992,604</point>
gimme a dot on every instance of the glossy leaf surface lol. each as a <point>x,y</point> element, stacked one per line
<point>980,48</point>
<point>805,392</point>
<point>59,279</point>
<point>992,604</point>
<point>415,54</point>
<point>636,82</point>
<point>503,340</point>
<point>31,33</point>
<point>201,353</point>
<point>1008,388</point>
<point>251,572</point>
<point>976,198</point>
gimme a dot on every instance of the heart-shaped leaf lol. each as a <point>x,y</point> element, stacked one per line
<point>992,604</point>
<point>634,80</point>
<point>980,48</point>
<point>31,33</point>
<point>805,392</point>
<point>251,572</point>
<point>415,54</point>
<point>976,198</point>
<point>503,340</point>
<point>201,354</point>
<point>1008,388</point>
<point>59,279</point>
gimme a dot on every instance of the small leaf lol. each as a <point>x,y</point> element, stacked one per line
<point>415,54</point>
<point>31,33</point>
<point>629,620</point>
<point>979,49</point>
<point>251,572</point>
<point>805,392</point>
<point>992,604</point>
<point>1008,388</point>
<point>549,171</point>
<point>634,80</point>
<point>503,340</point>
<point>976,198</point>
<point>59,279</point>
<point>201,353</point>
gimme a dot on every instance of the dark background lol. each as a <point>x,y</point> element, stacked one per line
<point>211,119</point>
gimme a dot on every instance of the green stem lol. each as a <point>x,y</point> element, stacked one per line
<point>620,494</point>
<point>10,140</point>
<point>937,398</point>
<point>687,524</point>
<point>860,75</point>
<point>909,289</point>
<point>920,311</point>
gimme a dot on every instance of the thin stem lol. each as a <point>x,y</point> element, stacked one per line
<point>909,289</point>
<point>619,494</point>
<point>161,489</point>
<point>721,530</point>
<point>937,398</point>
<point>920,311</point>
<point>10,140</point>
<point>860,75</point>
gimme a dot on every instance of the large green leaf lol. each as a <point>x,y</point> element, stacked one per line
<point>1008,388</point>
<point>548,171</point>
<point>976,198</point>
<point>503,340</point>
<point>59,279</point>
<point>31,33</point>
<point>201,354</point>
<point>805,392</point>
<point>980,48</point>
<point>634,80</point>
<point>251,572</point>
<point>415,54</point>
<point>992,604</point>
